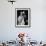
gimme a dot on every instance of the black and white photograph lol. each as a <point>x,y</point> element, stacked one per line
<point>22,17</point>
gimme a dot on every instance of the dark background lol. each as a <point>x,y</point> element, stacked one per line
<point>26,13</point>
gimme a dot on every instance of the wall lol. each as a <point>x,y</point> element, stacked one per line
<point>37,31</point>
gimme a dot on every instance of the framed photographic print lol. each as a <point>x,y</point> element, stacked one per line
<point>22,17</point>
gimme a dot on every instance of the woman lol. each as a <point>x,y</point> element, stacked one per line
<point>21,18</point>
